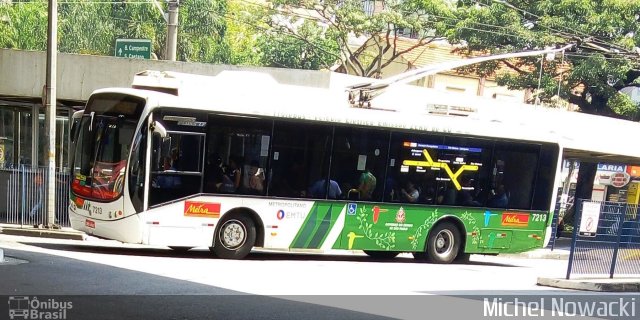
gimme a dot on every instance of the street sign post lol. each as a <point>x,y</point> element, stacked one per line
<point>133,48</point>
<point>590,219</point>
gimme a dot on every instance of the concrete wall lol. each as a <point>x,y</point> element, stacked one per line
<point>22,73</point>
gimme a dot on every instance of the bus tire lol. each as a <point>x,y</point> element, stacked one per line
<point>443,243</point>
<point>235,237</point>
<point>180,249</point>
<point>383,255</point>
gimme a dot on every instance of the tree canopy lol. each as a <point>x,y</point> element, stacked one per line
<point>605,59</point>
<point>360,37</point>
<point>91,27</point>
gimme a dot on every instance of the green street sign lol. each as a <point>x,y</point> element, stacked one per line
<point>133,48</point>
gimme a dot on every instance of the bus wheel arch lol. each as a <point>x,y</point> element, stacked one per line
<point>237,233</point>
<point>446,241</point>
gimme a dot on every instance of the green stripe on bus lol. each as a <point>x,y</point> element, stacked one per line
<point>307,229</point>
<point>323,230</point>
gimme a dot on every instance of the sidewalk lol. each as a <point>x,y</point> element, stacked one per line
<point>560,251</point>
<point>30,231</point>
<point>591,284</point>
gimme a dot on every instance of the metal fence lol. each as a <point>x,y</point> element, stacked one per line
<point>554,226</point>
<point>26,197</point>
<point>606,240</point>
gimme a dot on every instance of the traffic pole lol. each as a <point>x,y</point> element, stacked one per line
<point>50,106</point>
<point>172,30</point>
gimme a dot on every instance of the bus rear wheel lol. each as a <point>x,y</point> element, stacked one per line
<point>234,238</point>
<point>383,255</point>
<point>443,244</point>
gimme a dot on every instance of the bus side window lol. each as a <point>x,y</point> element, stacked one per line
<point>514,169</point>
<point>300,158</point>
<point>406,151</point>
<point>471,157</point>
<point>544,183</point>
<point>176,166</point>
<point>359,161</point>
<point>237,155</point>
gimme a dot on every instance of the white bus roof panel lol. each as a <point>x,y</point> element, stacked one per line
<point>583,136</point>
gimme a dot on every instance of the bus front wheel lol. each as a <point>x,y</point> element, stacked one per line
<point>443,244</point>
<point>235,238</point>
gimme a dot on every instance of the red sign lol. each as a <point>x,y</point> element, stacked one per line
<point>201,209</point>
<point>620,179</point>
<point>90,223</point>
<point>515,219</point>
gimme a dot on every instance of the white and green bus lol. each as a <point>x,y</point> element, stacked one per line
<point>239,161</point>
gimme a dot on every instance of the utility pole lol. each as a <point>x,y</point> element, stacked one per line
<point>172,29</point>
<point>50,107</point>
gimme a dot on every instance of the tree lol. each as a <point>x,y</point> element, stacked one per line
<point>606,33</point>
<point>243,21</point>
<point>92,27</point>
<point>327,28</point>
<point>23,25</point>
<point>202,30</point>
<point>310,48</point>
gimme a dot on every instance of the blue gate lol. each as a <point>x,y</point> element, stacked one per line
<point>606,239</point>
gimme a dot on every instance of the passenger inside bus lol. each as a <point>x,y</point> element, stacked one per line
<point>214,173</point>
<point>447,196</point>
<point>367,184</point>
<point>409,193</point>
<point>390,189</point>
<point>500,198</point>
<point>255,179</point>
<point>232,176</point>
<point>168,181</point>
<point>466,196</point>
<point>428,195</point>
<point>319,188</point>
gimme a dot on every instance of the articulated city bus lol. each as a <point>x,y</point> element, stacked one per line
<point>239,161</point>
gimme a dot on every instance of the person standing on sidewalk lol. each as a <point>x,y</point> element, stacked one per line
<point>36,211</point>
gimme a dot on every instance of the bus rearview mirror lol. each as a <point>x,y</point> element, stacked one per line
<point>158,128</point>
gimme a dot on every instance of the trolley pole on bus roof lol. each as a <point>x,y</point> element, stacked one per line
<point>50,106</point>
<point>172,30</point>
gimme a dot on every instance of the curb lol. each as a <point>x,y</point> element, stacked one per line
<point>557,254</point>
<point>600,285</point>
<point>43,233</point>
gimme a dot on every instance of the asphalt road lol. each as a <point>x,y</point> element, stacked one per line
<point>99,291</point>
<point>106,280</point>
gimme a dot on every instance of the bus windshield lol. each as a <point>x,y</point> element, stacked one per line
<point>103,144</point>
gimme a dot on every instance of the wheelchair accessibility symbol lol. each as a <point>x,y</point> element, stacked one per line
<point>352,208</point>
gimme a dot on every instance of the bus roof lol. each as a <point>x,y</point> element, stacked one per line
<point>584,137</point>
<point>252,93</point>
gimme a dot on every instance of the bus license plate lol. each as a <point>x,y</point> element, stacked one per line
<point>90,224</point>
